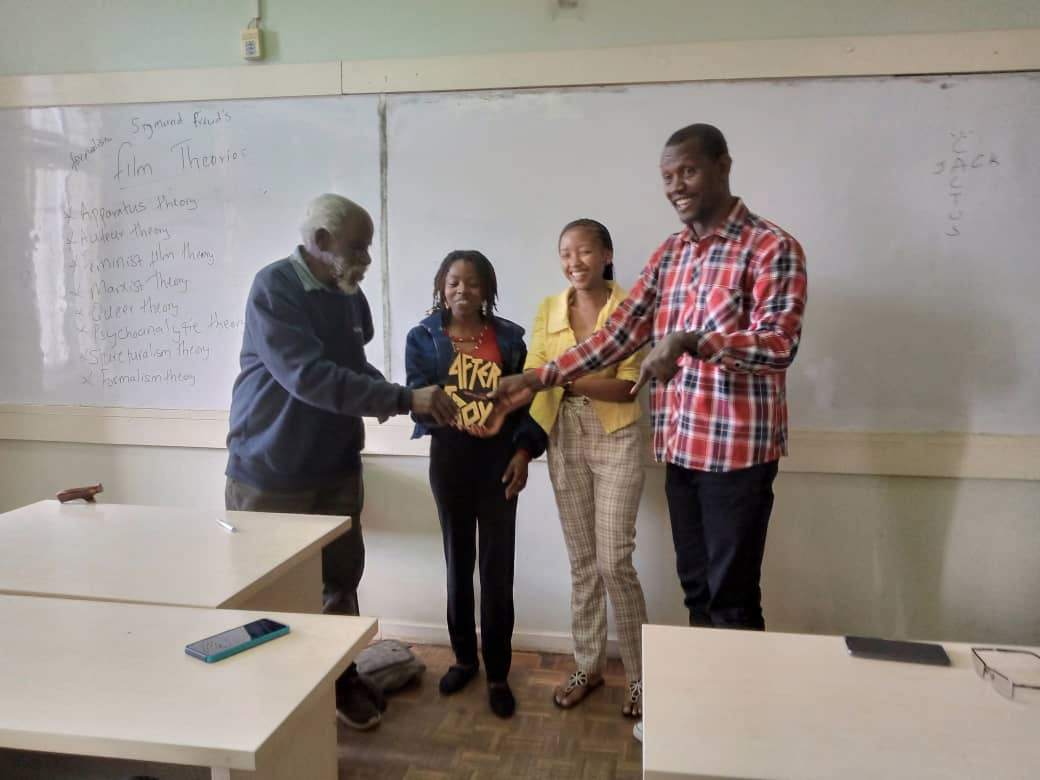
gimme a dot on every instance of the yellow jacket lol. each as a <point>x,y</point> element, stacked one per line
<point>552,335</point>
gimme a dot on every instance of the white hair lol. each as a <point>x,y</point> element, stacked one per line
<point>329,212</point>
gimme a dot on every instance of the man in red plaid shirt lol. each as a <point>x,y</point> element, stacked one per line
<point>722,302</point>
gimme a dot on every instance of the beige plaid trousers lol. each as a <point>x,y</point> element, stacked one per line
<point>598,479</point>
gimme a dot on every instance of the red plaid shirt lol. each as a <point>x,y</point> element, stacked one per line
<point>742,288</point>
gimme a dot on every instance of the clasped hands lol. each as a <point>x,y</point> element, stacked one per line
<point>515,475</point>
<point>519,390</point>
<point>512,393</point>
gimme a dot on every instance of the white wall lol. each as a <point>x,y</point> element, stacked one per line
<point>76,36</point>
<point>929,558</point>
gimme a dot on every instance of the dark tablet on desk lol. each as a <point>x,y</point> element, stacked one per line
<point>893,650</point>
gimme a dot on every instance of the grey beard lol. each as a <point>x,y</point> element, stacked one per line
<point>346,287</point>
<point>340,271</point>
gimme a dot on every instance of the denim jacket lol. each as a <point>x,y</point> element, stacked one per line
<point>428,357</point>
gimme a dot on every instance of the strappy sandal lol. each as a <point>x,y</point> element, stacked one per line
<point>633,707</point>
<point>579,685</point>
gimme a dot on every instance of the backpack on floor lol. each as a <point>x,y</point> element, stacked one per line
<point>389,664</point>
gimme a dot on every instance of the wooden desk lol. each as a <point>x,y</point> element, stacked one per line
<point>165,555</point>
<point>108,679</point>
<point>736,704</point>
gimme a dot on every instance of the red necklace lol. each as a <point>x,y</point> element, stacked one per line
<point>456,340</point>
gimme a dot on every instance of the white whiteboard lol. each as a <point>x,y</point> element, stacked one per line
<point>130,236</point>
<point>908,328</point>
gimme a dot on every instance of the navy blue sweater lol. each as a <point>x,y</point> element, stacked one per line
<point>297,404</point>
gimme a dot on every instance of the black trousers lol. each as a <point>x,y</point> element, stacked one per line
<point>477,524</point>
<point>342,559</point>
<point>719,523</point>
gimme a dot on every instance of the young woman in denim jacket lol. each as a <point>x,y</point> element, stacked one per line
<point>475,480</point>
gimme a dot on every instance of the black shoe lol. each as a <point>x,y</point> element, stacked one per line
<point>456,678</point>
<point>336,602</point>
<point>373,692</point>
<point>501,699</point>
<point>354,706</point>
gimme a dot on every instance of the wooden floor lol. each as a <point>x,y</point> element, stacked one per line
<point>425,736</point>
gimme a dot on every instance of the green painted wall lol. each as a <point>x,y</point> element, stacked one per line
<point>69,36</point>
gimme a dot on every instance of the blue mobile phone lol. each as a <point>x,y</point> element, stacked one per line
<point>219,646</point>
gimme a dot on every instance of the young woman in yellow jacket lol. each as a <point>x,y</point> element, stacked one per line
<point>595,463</point>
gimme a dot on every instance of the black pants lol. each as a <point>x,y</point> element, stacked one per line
<point>466,479</point>
<point>719,523</point>
<point>342,559</point>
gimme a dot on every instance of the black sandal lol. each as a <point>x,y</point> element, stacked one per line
<point>456,678</point>
<point>501,700</point>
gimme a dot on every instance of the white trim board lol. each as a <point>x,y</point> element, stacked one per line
<point>160,86</point>
<point>910,54</point>
<point>956,455</point>
<point>868,55</point>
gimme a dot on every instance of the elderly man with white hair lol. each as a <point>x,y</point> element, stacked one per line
<point>296,430</point>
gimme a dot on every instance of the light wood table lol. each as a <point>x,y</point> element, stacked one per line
<point>109,679</point>
<point>166,555</point>
<point>742,704</point>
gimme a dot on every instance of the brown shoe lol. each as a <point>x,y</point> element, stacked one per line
<point>578,686</point>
